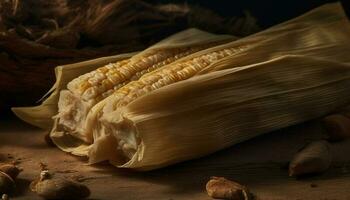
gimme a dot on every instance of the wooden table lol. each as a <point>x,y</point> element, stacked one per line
<point>258,163</point>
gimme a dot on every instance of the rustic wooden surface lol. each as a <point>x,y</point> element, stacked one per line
<point>258,163</point>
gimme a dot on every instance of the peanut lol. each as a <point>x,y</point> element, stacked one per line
<point>221,188</point>
<point>313,158</point>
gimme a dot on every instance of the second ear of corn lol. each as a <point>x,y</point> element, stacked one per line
<point>196,93</point>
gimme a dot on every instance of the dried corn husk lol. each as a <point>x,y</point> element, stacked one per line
<point>286,75</point>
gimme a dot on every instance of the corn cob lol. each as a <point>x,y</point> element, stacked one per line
<point>88,89</point>
<point>114,118</point>
<point>103,81</point>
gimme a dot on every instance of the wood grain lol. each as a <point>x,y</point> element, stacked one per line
<point>258,163</point>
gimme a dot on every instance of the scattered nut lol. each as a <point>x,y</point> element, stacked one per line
<point>5,197</point>
<point>11,170</point>
<point>50,187</point>
<point>7,184</point>
<point>337,126</point>
<point>313,158</point>
<point>221,188</point>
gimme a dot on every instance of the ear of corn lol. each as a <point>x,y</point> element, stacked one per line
<point>88,89</point>
<point>247,87</point>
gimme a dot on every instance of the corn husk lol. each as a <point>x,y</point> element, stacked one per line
<point>291,73</point>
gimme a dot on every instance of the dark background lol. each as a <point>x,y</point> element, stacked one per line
<point>268,13</point>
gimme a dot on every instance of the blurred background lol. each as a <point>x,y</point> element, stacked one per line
<point>38,35</point>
